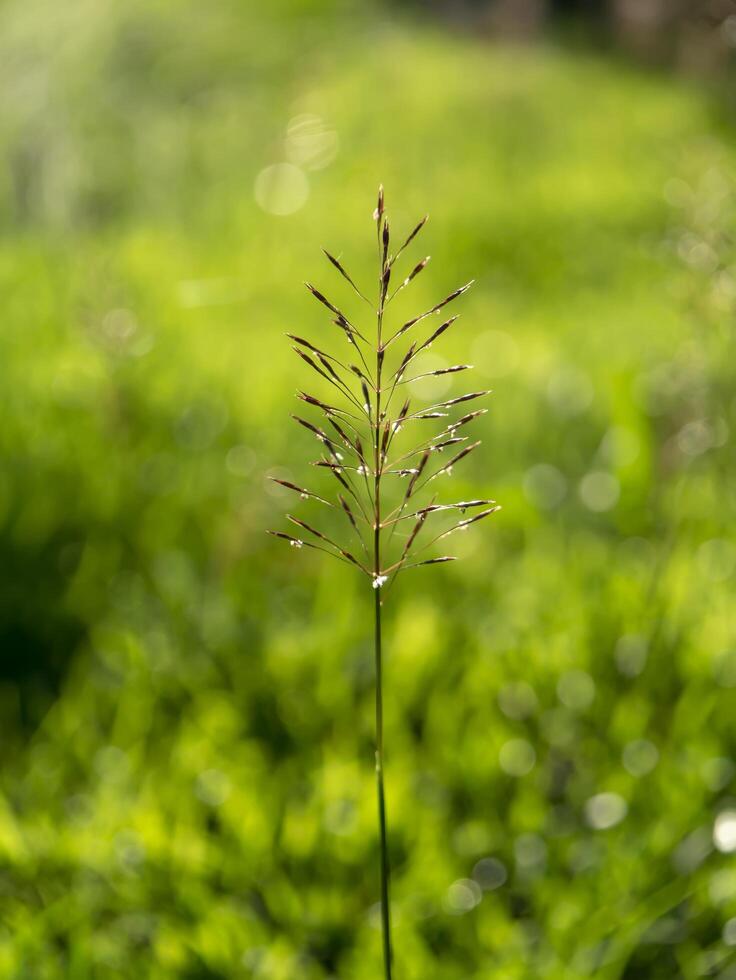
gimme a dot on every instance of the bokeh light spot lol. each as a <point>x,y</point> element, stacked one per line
<point>545,486</point>
<point>530,852</point>
<point>695,438</point>
<point>490,873</point>
<point>240,460</point>
<point>340,817</point>
<point>517,757</point>
<point>212,787</point>
<point>462,896</point>
<point>640,757</point>
<point>310,142</point>
<point>717,559</point>
<point>692,851</point>
<point>620,446</point>
<point>599,491</point>
<point>576,690</point>
<point>724,668</point>
<point>631,654</point>
<point>718,772</point>
<point>724,832</point>
<point>281,189</point>
<point>119,325</point>
<point>569,391</point>
<point>517,700</point>
<point>605,810</point>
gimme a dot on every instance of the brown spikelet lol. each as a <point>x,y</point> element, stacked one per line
<point>435,561</point>
<point>346,508</point>
<point>412,235</point>
<point>329,368</point>
<point>351,518</point>
<point>340,478</point>
<point>419,470</point>
<point>317,402</point>
<point>384,439</point>
<point>306,343</point>
<point>340,319</point>
<point>308,360</point>
<point>412,275</point>
<point>467,418</point>
<point>366,397</point>
<point>340,268</point>
<point>435,309</point>
<point>345,327</point>
<point>347,441</point>
<point>325,538</point>
<point>398,374</point>
<point>323,300</point>
<point>457,457</point>
<point>439,446</point>
<point>436,374</point>
<point>378,213</point>
<point>438,332</point>
<point>414,532</point>
<point>461,525</point>
<point>463,398</point>
<point>297,542</point>
<point>300,490</point>
<point>319,433</point>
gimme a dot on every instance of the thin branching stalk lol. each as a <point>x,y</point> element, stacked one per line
<point>362,450</point>
<point>377,529</point>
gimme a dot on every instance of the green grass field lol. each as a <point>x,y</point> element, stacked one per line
<point>187,785</point>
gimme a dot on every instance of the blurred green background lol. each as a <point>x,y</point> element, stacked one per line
<point>187,784</point>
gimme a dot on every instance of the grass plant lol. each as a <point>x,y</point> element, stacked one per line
<point>385,481</point>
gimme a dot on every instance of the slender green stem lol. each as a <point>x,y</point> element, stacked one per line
<point>385,908</point>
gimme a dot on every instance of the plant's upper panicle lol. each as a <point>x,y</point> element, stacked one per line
<point>363,450</point>
<point>378,213</point>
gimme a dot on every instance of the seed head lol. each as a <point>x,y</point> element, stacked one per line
<point>366,444</point>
